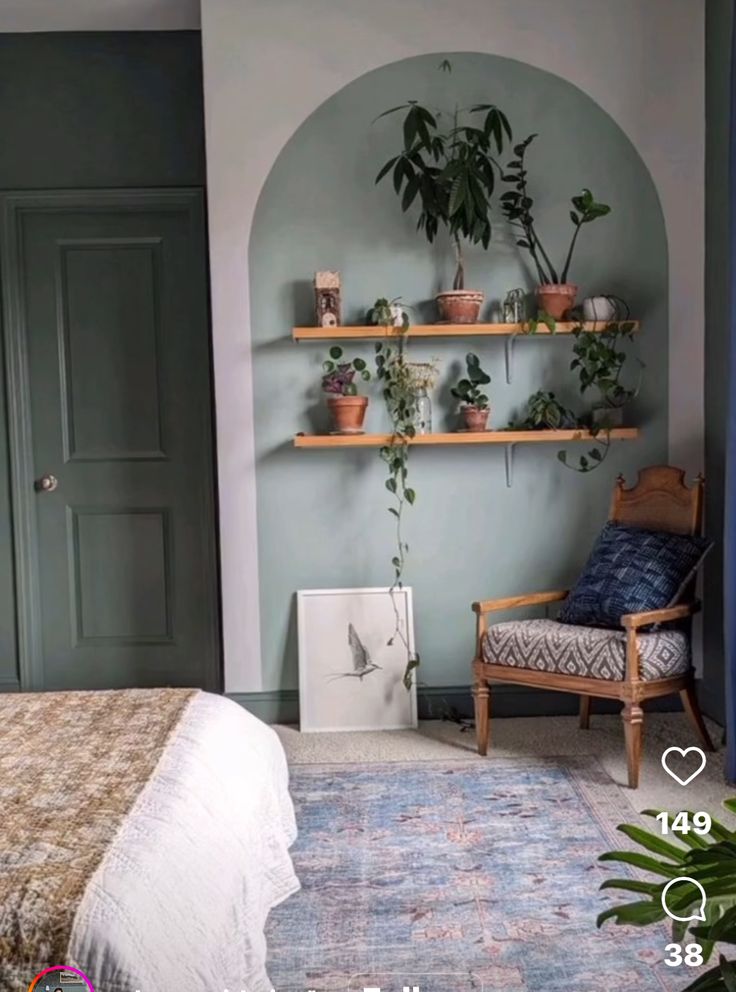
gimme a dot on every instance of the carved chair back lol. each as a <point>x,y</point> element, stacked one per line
<point>660,500</point>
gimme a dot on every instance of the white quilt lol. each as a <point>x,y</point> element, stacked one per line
<point>181,899</point>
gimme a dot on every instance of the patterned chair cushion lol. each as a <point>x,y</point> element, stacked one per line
<point>631,570</point>
<point>594,652</point>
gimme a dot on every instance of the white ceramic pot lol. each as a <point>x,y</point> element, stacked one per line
<point>599,308</point>
<point>397,314</point>
<point>608,416</point>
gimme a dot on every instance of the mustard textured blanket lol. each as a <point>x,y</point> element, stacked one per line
<point>72,766</point>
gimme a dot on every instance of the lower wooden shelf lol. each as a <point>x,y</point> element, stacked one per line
<point>480,437</point>
<point>509,440</point>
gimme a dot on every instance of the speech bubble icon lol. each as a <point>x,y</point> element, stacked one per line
<point>699,914</point>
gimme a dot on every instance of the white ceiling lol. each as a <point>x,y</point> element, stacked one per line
<point>98,15</point>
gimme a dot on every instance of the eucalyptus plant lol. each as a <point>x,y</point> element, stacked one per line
<point>708,858</point>
<point>446,162</point>
<point>518,204</point>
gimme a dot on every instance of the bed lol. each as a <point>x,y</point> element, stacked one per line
<point>144,838</point>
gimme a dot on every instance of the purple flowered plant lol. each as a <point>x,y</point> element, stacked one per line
<point>339,376</point>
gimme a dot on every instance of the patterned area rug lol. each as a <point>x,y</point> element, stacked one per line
<point>458,876</point>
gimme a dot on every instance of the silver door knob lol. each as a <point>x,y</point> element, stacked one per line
<point>46,484</point>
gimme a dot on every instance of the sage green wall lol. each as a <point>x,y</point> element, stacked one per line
<point>719,15</point>
<point>321,514</point>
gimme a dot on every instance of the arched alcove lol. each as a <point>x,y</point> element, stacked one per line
<point>322,518</point>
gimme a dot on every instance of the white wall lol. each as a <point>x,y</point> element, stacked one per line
<point>269,63</point>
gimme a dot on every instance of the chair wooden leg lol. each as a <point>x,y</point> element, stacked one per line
<point>585,702</point>
<point>482,695</point>
<point>633,717</point>
<point>692,708</point>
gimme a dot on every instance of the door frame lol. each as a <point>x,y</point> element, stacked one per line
<point>26,551</point>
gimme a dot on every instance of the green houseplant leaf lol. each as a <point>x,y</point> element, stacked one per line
<point>709,860</point>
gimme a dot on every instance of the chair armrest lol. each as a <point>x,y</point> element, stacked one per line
<point>634,620</point>
<point>528,599</point>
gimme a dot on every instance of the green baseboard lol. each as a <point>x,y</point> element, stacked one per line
<point>436,702</point>
<point>273,706</point>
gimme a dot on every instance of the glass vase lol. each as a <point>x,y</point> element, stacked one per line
<point>423,412</point>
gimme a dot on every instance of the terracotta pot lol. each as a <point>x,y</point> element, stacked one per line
<point>348,413</point>
<point>460,306</point>
<point>475,419</point>
<point>555,299</point>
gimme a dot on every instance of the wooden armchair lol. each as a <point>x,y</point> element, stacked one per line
<point>630,665</point>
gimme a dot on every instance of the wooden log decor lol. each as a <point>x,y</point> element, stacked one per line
<point>327,298</point>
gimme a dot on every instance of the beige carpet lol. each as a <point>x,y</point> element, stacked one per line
<point>538,736</point>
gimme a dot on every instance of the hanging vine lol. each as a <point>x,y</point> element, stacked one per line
<point>399,393</point>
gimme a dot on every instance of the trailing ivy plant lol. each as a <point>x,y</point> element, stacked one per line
<point>710,860</point>
<point>599,361</point>
<point>595,456</point>
<point>545,412</point>
<point>400,396</point>
<point>517,204</point>
<point>446,162</point>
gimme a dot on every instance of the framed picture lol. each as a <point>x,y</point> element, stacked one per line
<point>350,677</point>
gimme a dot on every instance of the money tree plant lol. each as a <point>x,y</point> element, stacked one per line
<point>446,163</point>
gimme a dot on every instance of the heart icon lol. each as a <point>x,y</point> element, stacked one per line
<point>683,752</point>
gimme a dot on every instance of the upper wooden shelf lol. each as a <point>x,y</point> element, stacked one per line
<point>373,331</point>
<point>479,437</point>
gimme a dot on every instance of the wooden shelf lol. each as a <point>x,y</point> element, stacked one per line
<point>481,437</point>
<point>374,332</point>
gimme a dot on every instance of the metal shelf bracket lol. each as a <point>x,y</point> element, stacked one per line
<point>509,355</point>
<point>509,458</point>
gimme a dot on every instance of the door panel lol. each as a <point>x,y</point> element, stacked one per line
<point>110,383</point>
<point>112,318</point>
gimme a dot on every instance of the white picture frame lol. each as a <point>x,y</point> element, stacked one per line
<point>340,632</point>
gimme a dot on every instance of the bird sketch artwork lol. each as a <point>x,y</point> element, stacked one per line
<point>363,664</point>
<point>351,670</point>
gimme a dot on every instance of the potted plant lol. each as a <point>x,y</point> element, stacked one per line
<point>389,313</point>
<point>475,409</point>
<point>422,380</point>
<point>446,162</point>
<point>555,294</point>
<point>544,412</point>
<point>346,407</point>
<point>599,360</point>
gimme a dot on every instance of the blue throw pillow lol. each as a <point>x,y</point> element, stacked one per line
<point>631,571</point>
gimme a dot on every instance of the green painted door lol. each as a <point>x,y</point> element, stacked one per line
<point>107,341</point>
